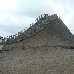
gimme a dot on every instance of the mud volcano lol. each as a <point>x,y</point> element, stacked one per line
<point>46,47</point>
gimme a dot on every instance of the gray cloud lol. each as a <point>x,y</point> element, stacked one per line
<point>32,8</point>
<point>20,13</point>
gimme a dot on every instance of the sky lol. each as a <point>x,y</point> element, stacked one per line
<point>16,15</point>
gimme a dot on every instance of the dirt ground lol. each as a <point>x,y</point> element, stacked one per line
<point>39,60</point>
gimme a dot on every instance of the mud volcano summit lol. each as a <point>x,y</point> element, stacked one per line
<point>48,30</point>
<point>46,47</point>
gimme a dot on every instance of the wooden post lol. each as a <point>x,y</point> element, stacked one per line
<point>45,15</point>
<point>30,25</point>
<point>36,20</point>
<point>18,33</point>
<point>13,36</point>
<point>41,15</point>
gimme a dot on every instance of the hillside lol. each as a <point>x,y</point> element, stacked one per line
<point>47,47</point>
<point>51,32</point>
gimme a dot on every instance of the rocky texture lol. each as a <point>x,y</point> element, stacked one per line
<point>32,30</point>
<point>48,51</point>
<point>38,60</point>
<point>55,33</point>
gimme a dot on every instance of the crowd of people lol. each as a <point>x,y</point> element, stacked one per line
<point>41,22</point>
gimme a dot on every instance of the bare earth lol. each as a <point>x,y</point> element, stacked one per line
<point>40,53</point>
<point>39,60</point>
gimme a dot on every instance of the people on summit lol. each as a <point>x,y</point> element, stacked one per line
<point>40,23</point>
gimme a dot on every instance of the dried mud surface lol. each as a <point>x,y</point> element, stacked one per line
<point>37,60</point>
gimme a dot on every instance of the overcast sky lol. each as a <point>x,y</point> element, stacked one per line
<point>16,15</point>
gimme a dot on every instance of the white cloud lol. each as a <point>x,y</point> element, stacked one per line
<point>65,10</point>
<point>7,5</point>
<point>17,14</point>
<point>9,22</point>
